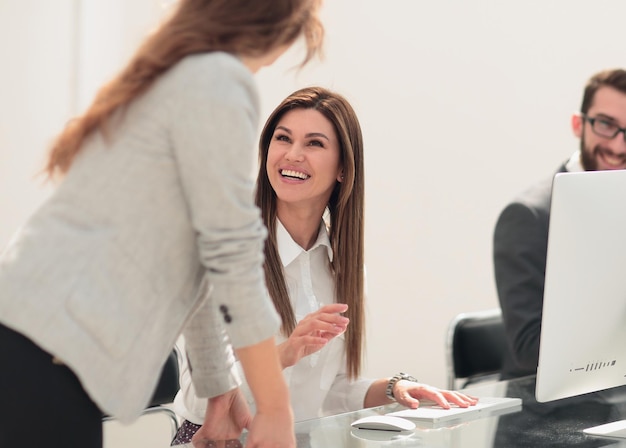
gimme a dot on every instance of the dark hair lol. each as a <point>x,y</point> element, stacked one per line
<point>240,27</point>
<point>346,209</point>
<point>615,78</point>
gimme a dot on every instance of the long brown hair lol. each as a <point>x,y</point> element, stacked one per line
<point>240,27</point>
<point>346,206</point>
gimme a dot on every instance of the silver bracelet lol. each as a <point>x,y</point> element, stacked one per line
<point>392,382</point>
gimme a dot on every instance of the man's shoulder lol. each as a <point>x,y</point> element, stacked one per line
<point>538,195</point>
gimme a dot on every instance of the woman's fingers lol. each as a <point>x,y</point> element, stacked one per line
<point>410,393</point>
<point>313,332</point>
<point>334,308</point>
<point>460,399</point>
<point>332,323</point>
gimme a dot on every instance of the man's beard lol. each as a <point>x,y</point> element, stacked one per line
<point>589,157</point>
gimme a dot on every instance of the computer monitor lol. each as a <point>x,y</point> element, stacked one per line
<point>583,328</point>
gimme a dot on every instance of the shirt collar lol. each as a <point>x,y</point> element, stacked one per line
<point>288,249</point>
<point>573,165</point>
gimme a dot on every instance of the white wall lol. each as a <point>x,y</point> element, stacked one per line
<point>36,88</point>
<point>463,104</point>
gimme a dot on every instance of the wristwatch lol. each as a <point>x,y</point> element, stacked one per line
<point>394,379</point>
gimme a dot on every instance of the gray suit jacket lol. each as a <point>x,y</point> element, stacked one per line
<point>112,267</point>
<point>520,245</point>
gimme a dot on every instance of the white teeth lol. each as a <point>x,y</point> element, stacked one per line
<point>613,160</point>
<point>296,174</point>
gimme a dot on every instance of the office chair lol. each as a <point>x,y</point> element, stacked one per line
<point>166,390</point>
<point>475,345</point>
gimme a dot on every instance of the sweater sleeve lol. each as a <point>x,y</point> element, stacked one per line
<point>214,118</point>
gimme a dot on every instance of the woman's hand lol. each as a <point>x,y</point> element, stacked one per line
<point>409,394</point>
<point>313,332</point>
<point>272,425</point>
<point>225,418</point>
<point>272,429</point>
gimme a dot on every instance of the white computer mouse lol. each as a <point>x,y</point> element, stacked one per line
<point>384,423</point>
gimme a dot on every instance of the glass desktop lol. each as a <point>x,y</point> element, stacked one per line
<point>555,424</point>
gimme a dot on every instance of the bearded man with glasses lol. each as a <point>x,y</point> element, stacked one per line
<point>521,233</point>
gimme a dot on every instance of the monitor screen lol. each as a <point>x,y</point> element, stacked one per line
<point>583,329</point>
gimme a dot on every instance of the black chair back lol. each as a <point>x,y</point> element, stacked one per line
<point>476,346</point>
<point>168,384</point>
<point>165,391</point>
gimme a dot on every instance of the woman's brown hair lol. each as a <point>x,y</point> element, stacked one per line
<point>346,207</point>
<point>241,27</point>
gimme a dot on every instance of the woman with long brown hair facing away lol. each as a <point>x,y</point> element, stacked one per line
<point>310,189</point>
<point>152,231</point>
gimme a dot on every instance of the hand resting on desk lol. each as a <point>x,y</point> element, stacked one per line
<point>410,394</point>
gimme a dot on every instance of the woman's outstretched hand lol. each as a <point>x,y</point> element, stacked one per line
<point>313,332</point>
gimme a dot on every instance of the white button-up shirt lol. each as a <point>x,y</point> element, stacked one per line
<point>318,383</point>
<point>573,165</point>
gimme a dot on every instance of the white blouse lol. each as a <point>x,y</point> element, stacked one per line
<point>318,383</point>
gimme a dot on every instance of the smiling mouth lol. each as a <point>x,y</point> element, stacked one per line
<point>611,159</point>
<point>294,174</point>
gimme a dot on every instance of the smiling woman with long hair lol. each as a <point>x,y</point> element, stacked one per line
<point>310,189</point>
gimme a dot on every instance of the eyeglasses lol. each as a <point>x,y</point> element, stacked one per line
<point>604,127</point>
